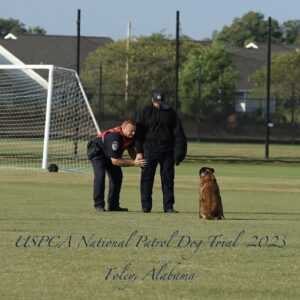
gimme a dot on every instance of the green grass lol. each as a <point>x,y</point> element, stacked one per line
<point>27,153</point>
<point>261,201</point>
<point>243,152</point>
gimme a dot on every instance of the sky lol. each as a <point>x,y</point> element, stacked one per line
<point>109,18</point>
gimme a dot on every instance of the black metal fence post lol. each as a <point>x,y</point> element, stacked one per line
<point>269,124</point>
<point>78,43</point>
<point>177,59</point>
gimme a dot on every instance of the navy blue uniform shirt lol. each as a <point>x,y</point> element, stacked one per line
<point>112,145</point>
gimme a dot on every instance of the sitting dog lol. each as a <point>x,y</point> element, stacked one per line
<point>210,204</point>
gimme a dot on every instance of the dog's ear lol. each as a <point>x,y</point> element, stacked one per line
<point>212,170</point>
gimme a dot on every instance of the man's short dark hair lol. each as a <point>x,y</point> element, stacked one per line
<point>129,121</point>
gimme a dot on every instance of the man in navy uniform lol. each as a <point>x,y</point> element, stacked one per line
<point>160,140</point>
<point>105,153</point>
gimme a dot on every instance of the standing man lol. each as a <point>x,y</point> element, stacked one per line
<point>160,140</point>
<point>105,153</point>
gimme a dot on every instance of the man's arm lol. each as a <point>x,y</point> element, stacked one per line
<point>128,163</point>
<point>132,152</point>
<point>180,149</point>
<point>113,143</point>
<point>140,133</point>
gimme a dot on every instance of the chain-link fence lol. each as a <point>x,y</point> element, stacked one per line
<point>246,122</point>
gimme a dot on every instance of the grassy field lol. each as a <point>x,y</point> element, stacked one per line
<point>55,246</point>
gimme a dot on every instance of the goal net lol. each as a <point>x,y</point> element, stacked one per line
<point>45,118</point>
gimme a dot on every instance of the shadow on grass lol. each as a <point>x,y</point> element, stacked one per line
<point>241,159</point>
<point>263,213</point>
<point>267,218</point>
<point>267,214</point>
<point>249,216</point>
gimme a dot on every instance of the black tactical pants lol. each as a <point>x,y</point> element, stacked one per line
<point>102,166</point>
<point>166,162</point>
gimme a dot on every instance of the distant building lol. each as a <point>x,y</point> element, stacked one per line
<point>47,49</point>
<point>247,60</point>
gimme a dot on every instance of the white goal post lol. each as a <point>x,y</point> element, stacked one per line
<point>45,118</point>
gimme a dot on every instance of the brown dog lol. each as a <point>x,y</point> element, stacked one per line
<point>210,204</point>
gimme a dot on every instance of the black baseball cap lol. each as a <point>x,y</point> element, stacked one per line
<point>158,96</point>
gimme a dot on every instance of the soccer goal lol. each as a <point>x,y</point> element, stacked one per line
<point>45,118</point>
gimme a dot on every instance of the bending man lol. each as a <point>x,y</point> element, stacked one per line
<point>105,153</point>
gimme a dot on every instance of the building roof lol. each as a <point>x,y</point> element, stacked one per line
<point>248,60</point>
<point>52,49</point>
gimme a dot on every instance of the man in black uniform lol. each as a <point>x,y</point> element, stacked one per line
<point>160,140</point>
<point>105,153</point>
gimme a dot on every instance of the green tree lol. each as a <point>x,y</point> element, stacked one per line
<point>16,27</point>
<point>291,31</point>
<point>113,59</point>
<point>285,77</point>
<point>208,79</point>
<point>36,30</point>
<point>251,27</point>
<point>285,85</point>
<point>11,26</point>
<point>151,62</point>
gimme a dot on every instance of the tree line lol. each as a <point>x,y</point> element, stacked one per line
<point>253,27</point>
<point>17,27</point>
<point>207,72</point>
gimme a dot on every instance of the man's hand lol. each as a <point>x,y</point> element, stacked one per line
<point>139,162</point>
<point>139,156</point>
